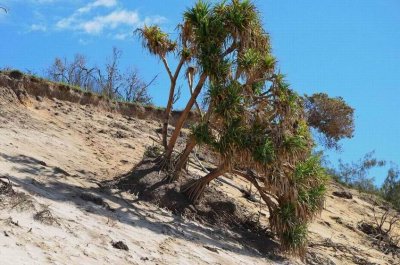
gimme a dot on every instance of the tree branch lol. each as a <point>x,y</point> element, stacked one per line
<point>230,49</point>
<point>164,60</point>
<point>270,204</point>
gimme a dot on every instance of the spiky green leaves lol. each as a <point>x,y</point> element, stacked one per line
<point>207,36</point>
<point>310,180</point>
<point>300,139</point>
<point>299,205</point>
<point>290,228</point>
<point>199,18</point>
<point>242,14</point>
<point>294,239</point>
<point>231,139</point>
<point>309,170</point>
<point>156,41</point>
<point>213,28</point>
<point>264,152</point>
<point>313,197</point>
<point>228,99</point>
<point>286,215</point>
<point>249,61</point>
<point>203,134</point>
<point>268,62</point>
<point>295,143</point>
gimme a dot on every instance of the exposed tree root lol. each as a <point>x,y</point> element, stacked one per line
<point>182,160</point>
<point>195,188</point>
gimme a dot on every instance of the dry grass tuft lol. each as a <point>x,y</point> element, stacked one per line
<point>46,217</point>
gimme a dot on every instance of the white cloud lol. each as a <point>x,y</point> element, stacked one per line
<point>154,20</point>
<point>74,19</point>
<point>115,24</point>
<point>112,21</point>
<point>38,27</point>
<point>97,3</point>
<point>66,23</point>
<point>122,36</point>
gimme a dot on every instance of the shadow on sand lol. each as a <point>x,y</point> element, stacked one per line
<point>244,239</point>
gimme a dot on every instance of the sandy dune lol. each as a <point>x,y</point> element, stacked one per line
<point>57,153</point>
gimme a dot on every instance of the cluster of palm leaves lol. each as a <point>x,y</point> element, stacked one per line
<point>252,120</point>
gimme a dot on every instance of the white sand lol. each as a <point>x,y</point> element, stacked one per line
<point>54,151</point>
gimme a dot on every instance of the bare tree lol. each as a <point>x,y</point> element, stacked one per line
<point>135,89</point>
<point>109,81</point>
<point>112,80</point>
<point>74,73</point>
<point>356,174</point>
<point>57,71</point>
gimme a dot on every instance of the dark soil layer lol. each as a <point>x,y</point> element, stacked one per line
<point>214,208</point>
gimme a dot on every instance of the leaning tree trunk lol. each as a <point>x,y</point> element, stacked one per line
<point>183,117</point>
<point>195,188</point>
<point>167,114</point>
<point>190,145</point>
<point>183,158</point>
<point>168,109</point>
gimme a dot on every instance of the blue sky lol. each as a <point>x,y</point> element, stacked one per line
<point>344,48</point>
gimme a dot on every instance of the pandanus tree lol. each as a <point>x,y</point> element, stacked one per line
<point>235,47</point>
<point>252,120</point>
<point>260,133</point>
<point>208,39</point>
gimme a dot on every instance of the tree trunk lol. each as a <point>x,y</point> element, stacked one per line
<point>168,113</point>
<point>190,145</point>
<point>168,110</point>
<point>194,189</point>
<point>183,116</point>
<point>183,158</point>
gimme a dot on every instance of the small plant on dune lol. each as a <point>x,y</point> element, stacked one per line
<point>152,151</point>
<point>253,120</point>
<point>16,74</point>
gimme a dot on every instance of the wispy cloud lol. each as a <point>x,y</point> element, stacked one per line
<point>98,3</point>
<point>111,21</point>
<point>116,22</point>
<point>37,27</point>
<point>39,2</point>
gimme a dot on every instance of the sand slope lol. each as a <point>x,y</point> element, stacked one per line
<point>57,153</point>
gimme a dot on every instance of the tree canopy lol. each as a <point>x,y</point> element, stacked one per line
<point>332,117</point>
